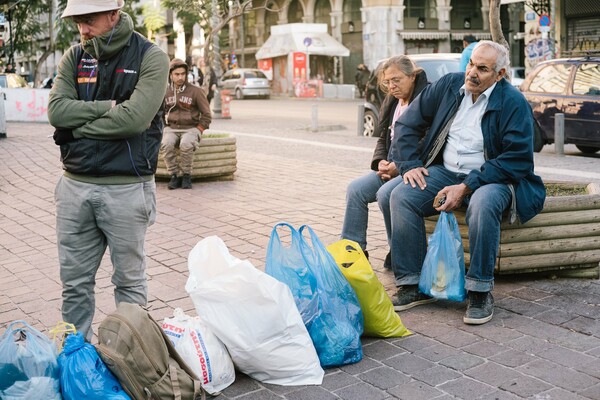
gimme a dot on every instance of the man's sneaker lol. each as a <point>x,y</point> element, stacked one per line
<point>409,296</point>
<point>175,182</point>
<point>480,309</point>
<point>387,264</point>
<point>186,182</point>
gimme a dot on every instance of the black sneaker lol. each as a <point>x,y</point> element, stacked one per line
<point>480,309</point>
<point>387,264</point>
<point>409,296</point>
<point>174,183</point>
<point>186,182</point>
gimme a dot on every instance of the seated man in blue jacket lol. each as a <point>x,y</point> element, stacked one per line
<point>467,137</point>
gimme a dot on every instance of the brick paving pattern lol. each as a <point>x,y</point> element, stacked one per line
<point>543,342</point>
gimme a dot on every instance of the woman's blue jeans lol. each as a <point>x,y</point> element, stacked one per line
<point>408,206</point>
<point>360,193</point>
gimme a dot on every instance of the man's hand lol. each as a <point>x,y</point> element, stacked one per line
<point>387,170</point>
<point>455,195</point>
<point>416,177</point>
<point>62,136</point>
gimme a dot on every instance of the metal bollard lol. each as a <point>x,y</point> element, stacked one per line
<point>361,120</point>
<point>314,121</point>
<point>559,134</point>
<point>2,116</point>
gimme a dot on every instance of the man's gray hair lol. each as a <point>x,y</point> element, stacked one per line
<point>503,59</point>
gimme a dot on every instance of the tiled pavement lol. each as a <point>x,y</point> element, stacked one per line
<point>543,342</point>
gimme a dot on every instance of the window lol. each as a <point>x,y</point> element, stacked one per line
<point>254,74</point>
<point>352,11</point>
<point>420,8</point>
<point>271,18</point>
<point>551,79</point>
<point>322,12</point>
<point>466,11</point>
<point>587,80</point>
<point>295,12</point>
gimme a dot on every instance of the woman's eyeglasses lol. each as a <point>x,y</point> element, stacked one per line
<point>391,82</point>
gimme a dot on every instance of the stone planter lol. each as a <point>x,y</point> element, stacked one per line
<point>564,237</point>
<point>215,159</point>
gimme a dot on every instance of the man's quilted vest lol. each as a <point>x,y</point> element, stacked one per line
<point>114,79</point>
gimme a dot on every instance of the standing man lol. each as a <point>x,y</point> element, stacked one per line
<point>106,108</point>
<point>469,42</point>
<point>477,152</point>
<point>187,116</point>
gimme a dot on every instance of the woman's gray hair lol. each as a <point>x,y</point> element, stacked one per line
<point>403,63</point>
<point>503,59</point>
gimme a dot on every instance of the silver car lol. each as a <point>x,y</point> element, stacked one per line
<point>435,65</point>
<point>246,82</point>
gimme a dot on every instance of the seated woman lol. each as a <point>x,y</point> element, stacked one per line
<point>402,81</point>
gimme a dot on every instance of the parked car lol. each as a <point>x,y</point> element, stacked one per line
<point>435,65</point>
<point>246,82</point>
<point>10,80</point>
<point>570,86</point>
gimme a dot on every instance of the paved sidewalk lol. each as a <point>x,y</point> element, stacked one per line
<point>543,342</point>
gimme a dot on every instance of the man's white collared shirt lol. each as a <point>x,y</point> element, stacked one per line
<point>464,147</point>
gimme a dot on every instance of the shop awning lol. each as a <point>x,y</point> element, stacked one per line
<point>423,35</point>
<point>478,35</point>
<point>289,38</point>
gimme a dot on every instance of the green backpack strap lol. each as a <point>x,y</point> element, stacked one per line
<point>174,379</point>
<point>198,389</point>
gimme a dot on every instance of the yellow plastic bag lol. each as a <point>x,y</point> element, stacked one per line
<point>60,332</point>
<point>380,318</point>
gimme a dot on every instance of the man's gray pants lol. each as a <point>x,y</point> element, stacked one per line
<point>89,218</point>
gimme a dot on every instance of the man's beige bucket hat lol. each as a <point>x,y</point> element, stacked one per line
<point>82,7</point>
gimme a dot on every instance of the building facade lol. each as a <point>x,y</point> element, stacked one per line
<point>377,29</point>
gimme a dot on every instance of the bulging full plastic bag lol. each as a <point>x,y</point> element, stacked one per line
<point>253,314</point>
<point>202,351</point>
<point>83,374</point>
<point>443,272</point>
<point>28,365</point>
<point>324,298</point>
<point>339,331</point>
<point>381,320</point>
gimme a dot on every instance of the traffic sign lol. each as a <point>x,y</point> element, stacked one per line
<point>545,20</point>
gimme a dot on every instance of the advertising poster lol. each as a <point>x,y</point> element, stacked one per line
<point>266,66</point>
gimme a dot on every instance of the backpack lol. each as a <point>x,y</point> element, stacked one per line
<point>137,351</point>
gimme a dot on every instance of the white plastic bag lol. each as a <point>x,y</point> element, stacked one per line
<point>203,352</point>
<point>253,314</point>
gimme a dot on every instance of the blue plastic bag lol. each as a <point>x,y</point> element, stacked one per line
<point>326,301</point>
<point>287,265</point>
<point>83,375</point>
<point>28,366</point>
<point>443,272</point>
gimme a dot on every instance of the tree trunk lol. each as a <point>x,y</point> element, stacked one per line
<point>50,50</point>
<point>496,25</point>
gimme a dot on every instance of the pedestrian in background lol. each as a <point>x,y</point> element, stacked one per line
<point>187,115</point>
<point>361,78</point>
<point>469,42</point>
<point>106,107</point>
<point>402,81</point>
<point>477,152</point>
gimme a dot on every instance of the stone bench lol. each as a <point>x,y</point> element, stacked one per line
<point>564,237</point>
<point>214,159</point>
